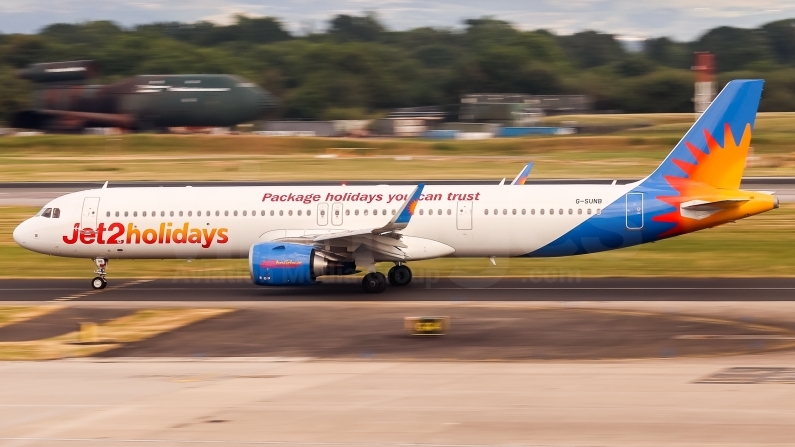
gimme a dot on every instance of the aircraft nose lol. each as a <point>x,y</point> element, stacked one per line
<point>20,232</point>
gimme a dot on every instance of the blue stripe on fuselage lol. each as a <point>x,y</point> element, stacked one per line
<point>608,230</point>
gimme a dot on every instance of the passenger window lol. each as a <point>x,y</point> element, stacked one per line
<point>589,211</point>
<point>579,210</point>
<point>290,213</point>
<point>523,211</point>
<point>322,212</point>
<point>356,212</point>
<point>56,213</point>
<point>144,214</point>
<point>271,212</point>
<point>551,211</point>
<point>126,213</point>
<point>375,212</point>
<point>171,214</point>
<point>281,212</point>
<point>365,212</point>
<point>162,214</point>
<point>253,213</point>
<point>486,211</point>
<point>541,211</point>
<point>504,211</point>
<point>421,212</point>
<point>347,212</point>
<point>598,211</point>
<point>244,212</point>
<point>496,212</point>
<point>440,212</point>
<point>514,211</point>
<point>571,211</point>
<point>180,214</point>
<point>262,213</point>
<point>308,213</point>
<point>383,213</point>
<point>198,214</point>
<point>135,213</point>
<point>533,211</point>
<point>107,214</point>
<point>299,212</point>
<point>47,213</point>
<point>430,212</point>
<point>190,213</point>
<point>117,214</point>
<point>449,211</point>
<point>560,211</point>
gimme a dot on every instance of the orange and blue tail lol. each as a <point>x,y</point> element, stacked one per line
<point>714,150</point>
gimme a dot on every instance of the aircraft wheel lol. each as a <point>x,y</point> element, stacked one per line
<point>400,275</point>
<point>374,282</point>
<point>99,283</point>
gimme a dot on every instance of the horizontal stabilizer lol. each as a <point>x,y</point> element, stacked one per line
<point>717,204</point>
<point>701,209</point>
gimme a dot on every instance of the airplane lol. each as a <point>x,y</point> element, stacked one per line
<point>61,102</point>
<point>294,235</point>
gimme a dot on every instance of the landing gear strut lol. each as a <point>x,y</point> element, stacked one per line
<point>399,275</point>
<point>100,282</point>
<point>374,282</point>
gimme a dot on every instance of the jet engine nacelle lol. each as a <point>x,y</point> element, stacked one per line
<point>287,264</point>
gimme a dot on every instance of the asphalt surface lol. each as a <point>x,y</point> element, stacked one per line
<point>39,193</point>
<point>422,289</point>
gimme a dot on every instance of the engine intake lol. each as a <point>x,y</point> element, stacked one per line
<point>287,264</point>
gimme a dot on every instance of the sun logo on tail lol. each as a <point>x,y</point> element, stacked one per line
<point>713,167</point>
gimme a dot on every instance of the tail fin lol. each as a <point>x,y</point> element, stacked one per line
<point>714,150</point>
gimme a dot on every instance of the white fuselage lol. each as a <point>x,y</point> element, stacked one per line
<point>224,222</point>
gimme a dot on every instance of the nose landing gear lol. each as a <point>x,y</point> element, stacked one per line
<point>100,282</point>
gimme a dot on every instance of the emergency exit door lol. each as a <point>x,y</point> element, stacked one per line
<point>322,213</point>
<point>464,215</point>
<point>635,211</point>
<point>336,213</point>
<point>90,209</point>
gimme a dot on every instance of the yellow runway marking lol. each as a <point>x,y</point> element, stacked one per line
<point>17,314</point>
<point>138,326</point>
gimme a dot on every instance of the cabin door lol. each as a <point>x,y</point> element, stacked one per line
<point>634,211</point>
<point>464,215</point>
<point>90,209</point>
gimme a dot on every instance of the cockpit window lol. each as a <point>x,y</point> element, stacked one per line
<point>47,213</point>
<point>56,213</point>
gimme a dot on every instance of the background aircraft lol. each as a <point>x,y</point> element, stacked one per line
<point>147,102</point>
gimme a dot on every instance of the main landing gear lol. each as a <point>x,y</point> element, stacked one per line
<point>375,282</point>
<point>100,282</point>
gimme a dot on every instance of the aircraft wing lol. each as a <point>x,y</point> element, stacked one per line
<point>382,240</point>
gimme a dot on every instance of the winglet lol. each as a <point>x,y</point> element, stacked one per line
<point>403,216</point>
<point>522,177</point>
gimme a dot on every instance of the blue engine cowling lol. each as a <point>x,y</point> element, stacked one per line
<point>287,264</point>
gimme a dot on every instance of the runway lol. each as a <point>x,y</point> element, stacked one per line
<point>456,289</point>
<point>39,193</point>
